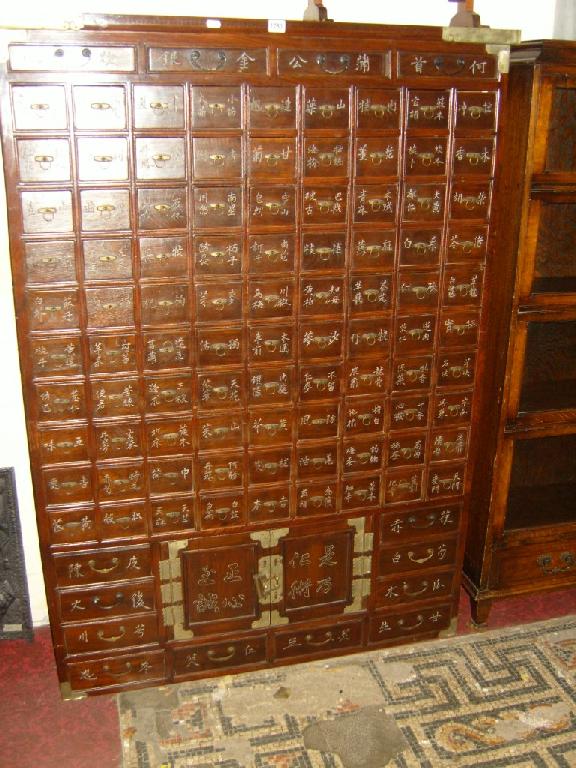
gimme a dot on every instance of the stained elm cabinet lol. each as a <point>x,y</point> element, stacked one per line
<point>249,283</point>
<point>522,525</point>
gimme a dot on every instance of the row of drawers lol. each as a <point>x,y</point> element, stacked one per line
<point>50,211</point>
<point>54,261</point>
<point>260,108</point>
<point>108,159</point>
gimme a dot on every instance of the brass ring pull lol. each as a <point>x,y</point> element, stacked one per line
<point>230,652</point>
<point>416,593</point>
<point>118,599</point>
<point>113,638</point>
<point>421,560</point>
<point>115,564</point>
<point>343,64</point>
<point>217,159</point>
<point>47,212</point>
<point>406,628</point>
<point>44,161</point>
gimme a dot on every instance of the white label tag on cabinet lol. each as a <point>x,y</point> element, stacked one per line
<point>277,25</point>
<point>213,23</point>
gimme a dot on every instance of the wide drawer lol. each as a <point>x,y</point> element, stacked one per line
<point>393,626</point>
<point>116,670</point>
<point>221,655</point>
<point>330,638</point>
<point>535,565</point>
<point>106,602</point>
<point>93,58</point>
<point>108,635</point>
<point>412,588</point>
<point>97,565</point>
<point>402,526</point>
<point>416,557</point>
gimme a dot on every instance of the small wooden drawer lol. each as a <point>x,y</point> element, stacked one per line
<point>475,110</point>
<point>163,257</point>
<point>73,526</point>
<point>102,159</point>
<point>56,356</point>
<point>162,208</point>
<point>62,58</point>
<point>317,498</point>
<point>270,298</point>
<point>317,421</point>
<point>418,290</point>
<point>325,157</point>
<point>414,334</point>
<point>167,349</point>
<point>325,205</point>
<point>405,525</point>
<point>466,243</point>
<point>105,602</point>
<point>473,157</point>
<point>160,158</point>
<point>272,206</point>
<point>456,369</point>
<point>375,203</point>
<point>39,107</point>
<point>271,157</point>
<point>423,203</point>
<point>363,416</point>
<point>169,436</point>
<point>369,338</point>
<point>118,440</point>
<point>217,158</point>
<point>115,397</point>
<point>223,470</point>
<point>361,493</point>
<point>215,255</point>
<point>172,475</point>
<point>164,304</point>
<point>378,109</point>
<point>158,106</point>
<point>408,412</point>
<point>412,373</point>
<point>124,481</point>
<point>109,307</point>
<point>470,201</point>
<point>168,394</point>
<point>368,378</point>
<point>362,455</point>
<point>327,107</point>
<point>105,210</point>
<point>321,340</point>
<point>99,107</point>
<point>462,286</point>
<point>452,408</point>
<point>268,504</point>
<point>220,389</point>
<point>107,259</point>
<point>416,556</point>
<point>449,444</point>
<point>403,486</point>
<point>459,329</point>
<point>218,511</point>
<point>271,253</point>
<point>425,156</point>
<point>267,386</point>
<point>270,426</point>
<point>377,157</point>
<point>428,109</point>
<point>218,302</point>
<point>330,638</point>
<point>216,431</point>
<point>217,207</point>
<point>272,108</point>
<point>420,247</point>
<point>319,382</point>
<point>385,627</point>
<point>46,212</point>
<point>271,466</point>
<point>43,159</point>
<point>63,444</point>
<point>172,514</point>
<point>111,634</point>
<point>50,262</point>
<point>373,251</point>
<point>313,460</point>
<point>535,564</point>
<point>446,480</point>
<point>233,653</point>
<point>270,343</point>
<point>112,354</point>
<point>116,671</point>
<point>369,293</point>
<point>54,402</point>
<point>413,588</point>
<point>123,521</point>
<point>406,449</point>
<point>102,565</point>
<point>216,107</point>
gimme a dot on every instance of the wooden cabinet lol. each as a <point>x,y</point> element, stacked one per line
<point>523,518</point>
<point>249,282</point>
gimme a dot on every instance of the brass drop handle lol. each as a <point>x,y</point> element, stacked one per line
<point>421,560</point>
<point>161,159</point>
<point>343,64</point>
<point>230,653</point>
<point>47,212</point>
<point>115,564</point>
<point>417,592</point>
<point>114,638</point>
<point>409,628</point>
<point>328,638</point>
<point>430,517</point>
<point>158,105</point>
<point>40,107</point>
<point>162,207</point>
<point>102,158</point>
<point>108,257</point>
<point>44,161</point>
<point>127,670</point>
<point>100,105</point>
<point>105,208</point>
<point>118,599</point>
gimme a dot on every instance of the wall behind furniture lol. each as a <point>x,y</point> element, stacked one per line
<point>535,20</point>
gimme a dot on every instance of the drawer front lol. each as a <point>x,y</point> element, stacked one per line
<point>418,556</point>
<point>101,565</point>
<point>61,58</point>
<point>412,622</point>
<point>111,634</point>
<point>413,588</point>
<point>103,602</point>
<point>136,668</point>
<point>330,638</point>
<point>195,659</point>
<point>406,525</point>
<point>540,564</point>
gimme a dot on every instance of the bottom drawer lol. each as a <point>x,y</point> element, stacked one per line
<point>324,639</point>
<point>536,565</point>
<point>231,653</point>
<point>117,670</point>
<point>391,626</point>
